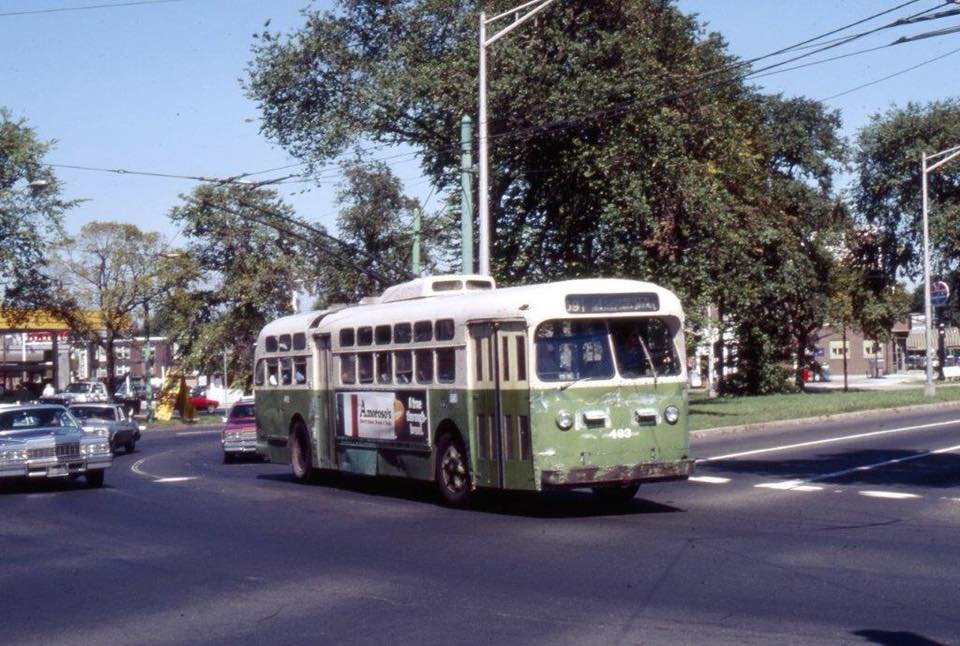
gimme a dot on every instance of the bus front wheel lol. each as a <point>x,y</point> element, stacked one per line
<point>452,471</point>
<point>616,495</point>
<point>300,464</point>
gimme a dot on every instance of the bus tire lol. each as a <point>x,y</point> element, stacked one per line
<point>452,471</point>
<point>616,495</point>
<point>300,464</point>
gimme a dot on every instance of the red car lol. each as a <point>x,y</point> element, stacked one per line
<point>239,434</point>
<point>201,402</point>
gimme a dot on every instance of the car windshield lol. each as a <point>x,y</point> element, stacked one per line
<point>242,410</point>
<point>79,388</point>
<point>25,419</point>
<point>94,412</point>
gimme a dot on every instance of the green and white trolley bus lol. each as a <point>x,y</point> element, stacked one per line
<point>571,384</point>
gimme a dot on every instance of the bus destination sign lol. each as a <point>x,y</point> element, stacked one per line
<point>611,303</point>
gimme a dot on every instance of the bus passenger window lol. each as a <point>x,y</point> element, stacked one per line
<point>365,335</point>
<point>446,365</point>
<point>365,367</point>
<point>348,369</point>
<point>300,370</point>
<point>273,372</point>
<point>521,360</point>
<point>258,374</point>
<point>346,337</point>
<point>402,333</point>
<point>384,367</point>
<point>382,334</point>
<point>423,331</point>
<point>271,344</point>
<point>283,343</point>
<point>445,329</point>
<point>506,359</point>
<point>299,341</point>
<point>424,360</point>
<point>286,372</point>
<point>404,363</point>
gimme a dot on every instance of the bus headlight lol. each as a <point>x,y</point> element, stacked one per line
<point>671,414</point>
<point>564,420</point>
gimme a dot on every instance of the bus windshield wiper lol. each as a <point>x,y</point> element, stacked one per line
<point>646,352</point>
<point>577,381</point>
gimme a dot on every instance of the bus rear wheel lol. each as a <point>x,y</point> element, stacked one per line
<point>452,471</point>
<point>300,464</point>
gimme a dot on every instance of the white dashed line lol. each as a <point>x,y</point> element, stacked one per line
<point>789,485</point>
<point>180,479</point>
<point>709,479</point>
<point>892,495</point>
<point>832,440</point>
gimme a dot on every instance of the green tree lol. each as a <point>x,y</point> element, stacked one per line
<point>103,277</point>
<point>31,214</point>
<point>250,255</point>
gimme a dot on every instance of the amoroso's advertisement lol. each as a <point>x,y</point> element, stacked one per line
<point>395,416</point>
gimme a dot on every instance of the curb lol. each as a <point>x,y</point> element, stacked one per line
<point>786,423</point>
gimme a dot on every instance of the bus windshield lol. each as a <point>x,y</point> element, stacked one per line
<point>581,349</point>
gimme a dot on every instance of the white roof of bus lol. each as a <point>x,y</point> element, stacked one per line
<point>538,302</point>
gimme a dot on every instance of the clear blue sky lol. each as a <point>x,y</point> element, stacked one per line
<point>155,87</point>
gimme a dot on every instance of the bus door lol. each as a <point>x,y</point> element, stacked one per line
<point>323,422</point>
<point>500,404</point>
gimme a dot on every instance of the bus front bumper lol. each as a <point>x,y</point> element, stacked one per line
<point>588,476</point>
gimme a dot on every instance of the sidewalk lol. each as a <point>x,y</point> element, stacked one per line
<point>908,379</point>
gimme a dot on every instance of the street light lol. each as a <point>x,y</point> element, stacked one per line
<point>484,190</point>
<point>941,158</point>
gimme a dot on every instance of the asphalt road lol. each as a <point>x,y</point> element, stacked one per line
<point>821,533</point>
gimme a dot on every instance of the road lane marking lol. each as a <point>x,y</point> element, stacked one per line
<point>799,484</point>
<point>177,479</point>
<point>136,468</point>
<point>709,479</point>
<point>892,495</point>
<point>831,440</point>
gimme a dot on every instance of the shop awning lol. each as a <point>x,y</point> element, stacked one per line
<point>917,343</point>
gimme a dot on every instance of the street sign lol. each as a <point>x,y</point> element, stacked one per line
<point>939,293</point>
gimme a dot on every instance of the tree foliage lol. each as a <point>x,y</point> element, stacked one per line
<point>31,213</point>
<point>623,143</point>
<point>104,277</point>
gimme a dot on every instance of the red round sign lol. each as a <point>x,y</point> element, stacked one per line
<point>939,293</point>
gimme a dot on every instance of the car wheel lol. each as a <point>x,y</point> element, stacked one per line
<point>452,471</point>
<point>300,463</point>
<point>94,478</point>
<point>229,458</point>
<point>616,495</point>
<point>130,446</point>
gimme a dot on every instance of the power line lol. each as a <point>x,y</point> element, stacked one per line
<point>890,76</point>
<point>29,12</point>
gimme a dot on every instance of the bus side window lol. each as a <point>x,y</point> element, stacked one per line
<point>283,343</point>
<point>424,359</point>
<point>446,365</point>
<point>403,360</point>
<point>384,367</point>
<point>423,331</point>
<point>286,372</point>
<point>258,374</point>
<point>273,374</point>
<point>521,359</point>
<point>348,369</point>
<point>300,370</point>
<point>365,367</point>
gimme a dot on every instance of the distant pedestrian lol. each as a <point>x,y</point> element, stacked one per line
<point>49,390</point>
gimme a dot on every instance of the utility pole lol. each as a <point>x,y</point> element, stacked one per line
<point>415,255</point>
<point>466,195</point>
<point>147,362</point>
<point>484,190</point>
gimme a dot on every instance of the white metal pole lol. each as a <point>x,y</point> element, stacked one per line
<point>483,189</point>
<point>929,389</point>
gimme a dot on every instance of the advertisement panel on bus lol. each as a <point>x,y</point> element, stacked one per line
<point>393,416</point>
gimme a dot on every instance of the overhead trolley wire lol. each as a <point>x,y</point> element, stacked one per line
<point>28,12</point>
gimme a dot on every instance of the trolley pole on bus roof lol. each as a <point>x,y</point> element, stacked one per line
<point>415,254</point>
<point>941,158</point>
<point>483,196</point>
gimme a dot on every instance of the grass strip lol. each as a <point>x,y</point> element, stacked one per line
<point>737,411</point>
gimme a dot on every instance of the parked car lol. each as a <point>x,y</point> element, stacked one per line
<point>239,434</point>
<point>200,401</point>
<point>132,398</point>
<point>46,441</point>
<point>122,429</point>
<point>79,391</point>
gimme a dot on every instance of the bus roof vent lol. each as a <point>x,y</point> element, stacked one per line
<point>437,286</point>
